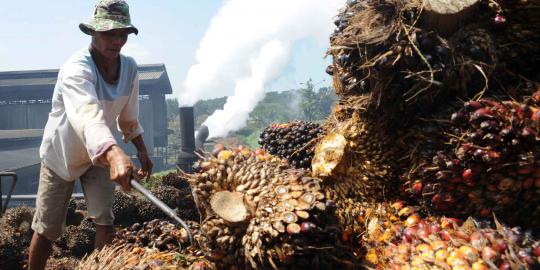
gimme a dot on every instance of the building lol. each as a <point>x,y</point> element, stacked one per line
<point>25,102</point>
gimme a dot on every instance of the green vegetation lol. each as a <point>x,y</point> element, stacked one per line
<point>277,107</point>
<point>155,179</point>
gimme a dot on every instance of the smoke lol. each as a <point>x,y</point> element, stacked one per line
<point>247,45</point>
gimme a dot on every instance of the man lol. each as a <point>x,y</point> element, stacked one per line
<point>97,88</point>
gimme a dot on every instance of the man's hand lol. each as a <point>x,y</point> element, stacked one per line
<point>121,168</point>
<point>146,165</point>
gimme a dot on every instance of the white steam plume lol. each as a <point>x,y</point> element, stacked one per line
<point>246,46</point>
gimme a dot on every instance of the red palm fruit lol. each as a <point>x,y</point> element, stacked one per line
<point>505,266</point>
<point>417,188</point>
<point>467,174</point>
<point>488,254</point>
<point>536,250</point>
<point>499,245</point>
<point>445,235</point>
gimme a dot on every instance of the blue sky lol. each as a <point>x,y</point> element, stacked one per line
<point>43,34</point>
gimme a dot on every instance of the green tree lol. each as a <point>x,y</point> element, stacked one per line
<point>308,105</point>
<point>172,109</point>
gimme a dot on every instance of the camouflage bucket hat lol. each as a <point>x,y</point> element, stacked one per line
<point>109,15</point>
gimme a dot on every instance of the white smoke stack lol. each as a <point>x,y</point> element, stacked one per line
<point>247,46</point>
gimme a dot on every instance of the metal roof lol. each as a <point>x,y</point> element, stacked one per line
<point>39,84</point>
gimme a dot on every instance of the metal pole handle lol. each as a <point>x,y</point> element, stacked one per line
<point>14,176</point>
<point>163,207</point>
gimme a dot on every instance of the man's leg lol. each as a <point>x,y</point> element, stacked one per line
<point>40,250</point>
<point>50,217</point>
<point>99,194</point>
<point>104,235</point>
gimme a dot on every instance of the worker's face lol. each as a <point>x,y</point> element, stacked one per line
<point>110,43</point>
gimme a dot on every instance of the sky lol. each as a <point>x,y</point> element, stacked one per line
<point>40,34</point>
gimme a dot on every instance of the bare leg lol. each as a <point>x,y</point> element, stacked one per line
<point>104,235</point>
<point>40,250</point>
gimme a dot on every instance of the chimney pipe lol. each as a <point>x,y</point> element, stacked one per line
<point>187,129</point>
<point>186,158</point>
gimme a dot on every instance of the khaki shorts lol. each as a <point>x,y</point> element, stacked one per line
<point>54,194</point>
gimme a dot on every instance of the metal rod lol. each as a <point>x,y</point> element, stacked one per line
<point>13,183</point>
<point>1,209</point>
<point>163,207</point>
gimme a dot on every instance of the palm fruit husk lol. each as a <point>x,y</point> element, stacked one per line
<point>489,165</point>
<point>287,225</point>
<point>445,243</point>
<point>159,234</point>
<point>66,263</point>
<point>356,158</point>
<point>124,208</point>
<point>389,51</point>
<point>293,141</point>
<point>12,250</point>
<point>124,257</point>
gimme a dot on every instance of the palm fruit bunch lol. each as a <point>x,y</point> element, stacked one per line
<point>19,219</point>
<point>80,204</point>
<point>78,240</point>
<point>128,256</point>
<point>444,243</point>
<point>491,164</point>
<point>124,209</point>
<point>174,180</point>
<point>15,236</point>
<point>185,205</point>
<point>355,158</point>
<point>74,216</point>
<point>12,249</point>
<point>159,234</point>
<point>410,56</point>
<point>146,211</point>
<point>259,213</point>
<point>293,141</point>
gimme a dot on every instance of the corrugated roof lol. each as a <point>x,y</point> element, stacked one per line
<point>152,77</point>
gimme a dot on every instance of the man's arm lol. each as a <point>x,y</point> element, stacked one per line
<point>142,155</point>
<point>130,127</point>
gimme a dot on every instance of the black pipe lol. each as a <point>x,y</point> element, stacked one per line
<point>187,129</point>
<point>186,158</point>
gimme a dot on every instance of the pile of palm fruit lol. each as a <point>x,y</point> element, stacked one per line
<point>437,107</point>
<point>293,141</point>
<point>78,239</point>
<point>490,164</point>
<point>160,234</point>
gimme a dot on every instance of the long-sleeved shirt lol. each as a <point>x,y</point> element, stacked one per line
<point>85,110</point>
